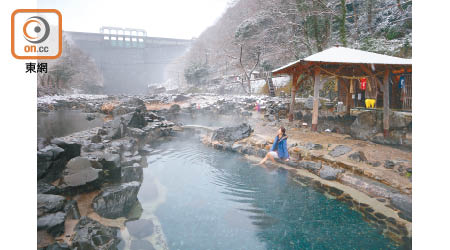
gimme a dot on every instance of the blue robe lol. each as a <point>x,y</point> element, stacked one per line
<point>281,148</point>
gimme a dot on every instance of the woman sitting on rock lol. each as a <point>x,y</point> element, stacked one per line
<point>279,147</point>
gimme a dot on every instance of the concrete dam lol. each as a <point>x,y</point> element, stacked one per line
<point>128,59</point>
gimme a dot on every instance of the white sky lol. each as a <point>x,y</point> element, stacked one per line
<point>160,18</point>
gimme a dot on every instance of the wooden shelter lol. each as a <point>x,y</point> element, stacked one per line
<point>347,66</point>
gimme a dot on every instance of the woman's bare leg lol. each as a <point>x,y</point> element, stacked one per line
<point>264,160</point>
<point>268,156</point>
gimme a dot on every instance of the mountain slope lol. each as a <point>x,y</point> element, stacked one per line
<point>285,30</point>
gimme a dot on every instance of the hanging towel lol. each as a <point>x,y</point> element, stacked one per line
<point>336,84</point>
<point>351,87</point>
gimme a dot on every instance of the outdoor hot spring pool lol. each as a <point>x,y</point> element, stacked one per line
<point>207,199</point>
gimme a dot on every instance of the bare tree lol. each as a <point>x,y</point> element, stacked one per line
<point>248,75</point>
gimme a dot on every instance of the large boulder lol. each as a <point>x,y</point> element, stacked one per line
<point>135,212</point>
<point>311,166</point>
<point>92,147</point>
<point>366,125</point>
<point>399,120</point>
<point>132,173</point>
<point>111,163</point>
<point>56,246</point>
<point>395,137</point>
<point>236,147</point>
<point>231,134</point>
<point>298,115</point>
<point>118,127</point>
<point>358,156</point>
<point>131,160</point>
<point>329,173</point>
<point>175,108</point>
<point>41,143</point>
<point>372,187</point>
<point>125,144</point>
<point>90,234</point>
<point>50,161</point>
<point>71,148</point>
<point>44,161</point>
<point>135,119</point>
<point>52,223</point>
<point>134,102</point>
<point>116,201</point>
<point>115,128</point>
<point>181,98</point>
<point>71,210</point>
<point>340,150</point>
<point>389,164</point>
<point>45,188</point>
<point>150,116</point>
<point>49,203</point>
<point>52,151</point>
<point>80,176</point>
<point>404,204</point>
<point>136,132</point>
<point>313,146</point>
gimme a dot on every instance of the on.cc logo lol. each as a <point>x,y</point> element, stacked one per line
<point>39,26</point>
<point>36,34</point>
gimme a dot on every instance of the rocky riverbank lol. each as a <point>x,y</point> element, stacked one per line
<point>88,181</point>
<point>361,124</point>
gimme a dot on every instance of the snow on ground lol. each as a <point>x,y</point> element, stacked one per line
<point>55,98</point>
<point>280,81</point>
<point>277,82</point>
<point>257,85</point>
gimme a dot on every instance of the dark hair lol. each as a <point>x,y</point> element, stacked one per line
<point>283,130</point>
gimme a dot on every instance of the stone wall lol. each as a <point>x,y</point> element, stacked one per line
<point>369,126</point>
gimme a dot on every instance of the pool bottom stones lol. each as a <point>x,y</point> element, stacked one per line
<point>390,226</point>
<point>371,202</point>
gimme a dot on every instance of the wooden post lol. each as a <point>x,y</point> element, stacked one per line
<point>315,116</point>
<point>293,91</point>
<point>386,98</point>
<point>338,86</point>
<point>348,96</point>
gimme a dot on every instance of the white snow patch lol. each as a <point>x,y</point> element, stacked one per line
<point>348,55</point>
<point>281,81</point>
<point>277,82</point>
<point>54,98</point>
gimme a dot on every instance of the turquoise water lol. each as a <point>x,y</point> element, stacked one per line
<point>217,200</point>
